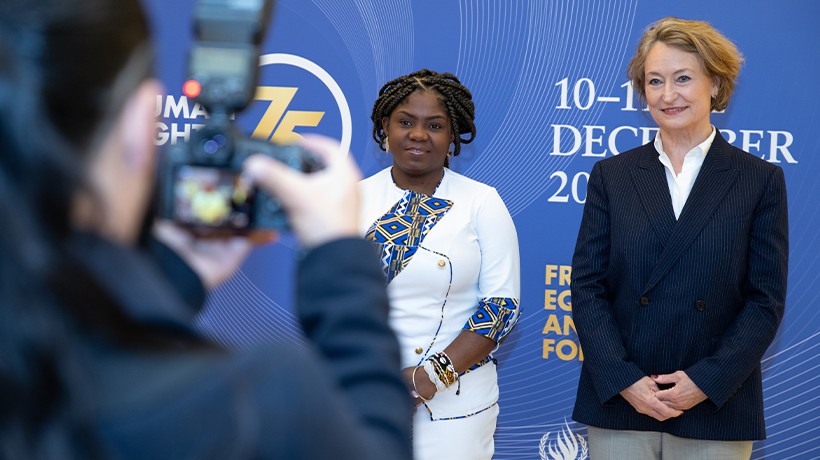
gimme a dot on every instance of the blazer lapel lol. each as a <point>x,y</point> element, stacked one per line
<point>714,181</point>
<point>649,179</point>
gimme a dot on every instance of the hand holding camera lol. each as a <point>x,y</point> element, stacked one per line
<point>321,206</point>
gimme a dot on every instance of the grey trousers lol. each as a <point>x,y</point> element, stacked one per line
<point>650,445</point>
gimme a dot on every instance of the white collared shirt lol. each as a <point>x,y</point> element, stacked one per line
<point>681,184</point>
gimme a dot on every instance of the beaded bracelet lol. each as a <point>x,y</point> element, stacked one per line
<point>444,367</point>
<point>445,370</point>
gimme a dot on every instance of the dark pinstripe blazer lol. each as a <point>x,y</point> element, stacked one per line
<point>703,294</point>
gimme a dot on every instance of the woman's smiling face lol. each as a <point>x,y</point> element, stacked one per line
<point>419,132</point>
<point>678,91</point>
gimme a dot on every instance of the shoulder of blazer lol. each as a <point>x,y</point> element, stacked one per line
<point>737,158</point>
<point>645,156</point>
<point>642,156</point>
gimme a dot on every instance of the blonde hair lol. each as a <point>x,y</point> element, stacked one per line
<point>718,56</point>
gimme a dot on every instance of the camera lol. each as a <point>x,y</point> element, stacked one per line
<point>200,182</point>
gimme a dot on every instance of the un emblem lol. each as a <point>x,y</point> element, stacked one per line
<point>564,445</point>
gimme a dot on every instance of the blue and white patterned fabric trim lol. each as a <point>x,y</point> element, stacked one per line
<point>458,417</point>
<point>401,230</point>
<point>494,318</point>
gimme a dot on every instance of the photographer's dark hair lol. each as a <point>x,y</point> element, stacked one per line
<point>66,68</point>
<point>457,99</point>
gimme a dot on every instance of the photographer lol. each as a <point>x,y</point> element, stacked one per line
<point>98,359</point>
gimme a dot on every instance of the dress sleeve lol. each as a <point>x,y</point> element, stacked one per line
<point>499,278</point>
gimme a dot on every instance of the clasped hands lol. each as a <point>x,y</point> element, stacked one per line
<point>647,398</point>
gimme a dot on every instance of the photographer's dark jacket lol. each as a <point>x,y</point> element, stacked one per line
<point>340,396</point>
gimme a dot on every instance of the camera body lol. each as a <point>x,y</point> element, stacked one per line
<point>200,181</point>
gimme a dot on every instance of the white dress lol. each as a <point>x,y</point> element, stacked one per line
<point>451,261</point>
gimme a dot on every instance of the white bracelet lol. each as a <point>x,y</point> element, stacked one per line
<point>430,369</point>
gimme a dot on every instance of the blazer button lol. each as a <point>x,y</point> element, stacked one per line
<point>419,350</point>
<point>441,263</point>
<point>644,301</point>
<point>700,305</point>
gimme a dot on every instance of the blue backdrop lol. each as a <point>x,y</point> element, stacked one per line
<point>552,98</point>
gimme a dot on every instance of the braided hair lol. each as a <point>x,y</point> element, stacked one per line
<point>457,99</point>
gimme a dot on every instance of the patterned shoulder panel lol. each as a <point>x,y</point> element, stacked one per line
<point>401,230</point>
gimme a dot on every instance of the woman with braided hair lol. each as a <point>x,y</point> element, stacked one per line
<point>449,251</point>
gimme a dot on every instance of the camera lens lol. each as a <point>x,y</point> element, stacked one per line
<point>212,145</point>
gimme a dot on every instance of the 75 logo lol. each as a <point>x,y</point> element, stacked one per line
<point>277,124</point>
